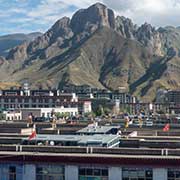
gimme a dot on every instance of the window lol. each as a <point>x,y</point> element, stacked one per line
<point>34,100</point>
<point>46,100</point>
<point>137,174</point>
<point>12,100</point>
<point>49,172</point>
<point>26,100</point>
<point>12,173</point>
<point>93,173</point>
<point>173,174</point>
<point>19,100</point>
<point>40,100</point>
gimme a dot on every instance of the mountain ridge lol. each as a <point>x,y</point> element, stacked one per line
<point>98,49</point>
<point>11,40</point>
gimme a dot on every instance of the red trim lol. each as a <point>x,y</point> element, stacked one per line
<point>117,161</point>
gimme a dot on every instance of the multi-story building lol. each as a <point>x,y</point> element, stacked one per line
<point>87,163</point>
<point>173,97</point>
<point>23,114</point>
<point>95,93</point>
<point>14,99</point>
<point>20,99</point>
<point>122,97</point>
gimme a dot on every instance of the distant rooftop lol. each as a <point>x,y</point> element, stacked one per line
<point>94,129</point>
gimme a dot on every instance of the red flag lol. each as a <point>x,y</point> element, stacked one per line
<point>166,127</point>
<point>32,136</point>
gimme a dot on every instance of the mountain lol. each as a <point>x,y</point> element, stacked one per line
<point>98,49</point>
<point>7,42</point>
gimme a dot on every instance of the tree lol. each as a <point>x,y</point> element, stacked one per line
<point>90,114</point>
<point>99,111</point>
<point>107,111</point>
<point>62,115</point>
<point>2,116</point>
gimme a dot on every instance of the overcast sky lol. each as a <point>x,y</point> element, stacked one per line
<point>38,15</point>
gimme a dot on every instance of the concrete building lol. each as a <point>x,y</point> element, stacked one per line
<point>24,99</point>
<point>36,99</point>
<point>87,107</point>
<point>47,112</point>
<point>85,164</point>
<point>173,97</point>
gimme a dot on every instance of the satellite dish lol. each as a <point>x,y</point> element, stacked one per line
<point>52,143</point>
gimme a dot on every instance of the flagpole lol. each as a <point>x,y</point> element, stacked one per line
<point>156,133</point>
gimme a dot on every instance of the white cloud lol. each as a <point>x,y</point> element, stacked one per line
<point>156,12</point>
<point>44,13</point>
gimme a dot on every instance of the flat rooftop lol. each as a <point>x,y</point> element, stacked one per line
<point>79,139</point>
<point>93,129</point>
<point>93,155</point>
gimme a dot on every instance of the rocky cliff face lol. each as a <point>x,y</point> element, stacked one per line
<point>97,49</point>
<point>18,53</point>
<point>150,37</point>
<point>125,27</point>
<point>1,60</point>
<point>89,20</point>
<point>59,32</point>
<point>8,42</point>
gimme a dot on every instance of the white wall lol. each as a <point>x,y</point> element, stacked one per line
<point>159,174</point>
<point>13,116</point>
<point>87,107</point>
<point>46,111</point>
<point>71,172</point>
<point>29,172</point>
<point>115,173</point>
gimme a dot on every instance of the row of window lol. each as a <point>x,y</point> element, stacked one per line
<point>55,172</point>
<point>137,174</point>
<point>7,106</point>
<point>13,100</point>
<point>34,105</point>
<point>11,118</point>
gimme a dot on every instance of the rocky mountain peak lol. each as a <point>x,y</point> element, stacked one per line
<point>151,38</point>
<point>1,60</point>
<point>18,53</point>
<point>58,32</point>
<point>146,31</point>
<point>81,51</point>
<point>92,18</point>
<point>125,27</point>
<point>61,27</point>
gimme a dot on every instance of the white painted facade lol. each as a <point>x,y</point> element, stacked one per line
<point>160,173</point>
<point>71,172</point>
<point>87,108</point>
<point>46,112</point>
<point>115,173</point>
<point>13,115</point>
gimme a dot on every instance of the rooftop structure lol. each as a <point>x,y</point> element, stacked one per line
<point>76,140</point>
<point>95,129</point>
